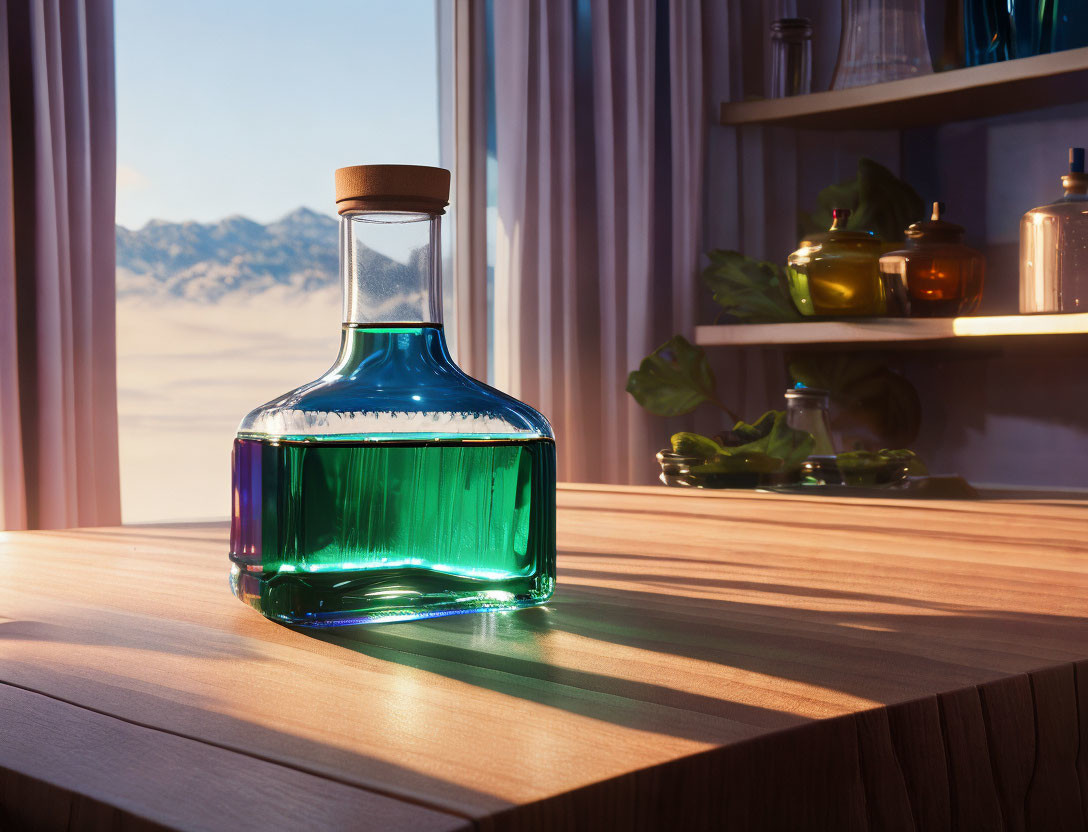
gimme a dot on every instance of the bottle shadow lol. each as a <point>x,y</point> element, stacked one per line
<point>616,639</point>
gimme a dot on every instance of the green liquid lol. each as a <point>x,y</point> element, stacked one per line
<point>344,532</point>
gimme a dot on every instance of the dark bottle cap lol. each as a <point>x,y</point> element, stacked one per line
<point>1076,160</point>
<point>1076,181</point>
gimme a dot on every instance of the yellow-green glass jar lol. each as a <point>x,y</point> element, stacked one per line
<point>837,272</point>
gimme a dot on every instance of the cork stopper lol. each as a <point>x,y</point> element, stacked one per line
<point>413,188</point>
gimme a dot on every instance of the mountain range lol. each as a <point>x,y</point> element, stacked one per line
<point>204,262</point>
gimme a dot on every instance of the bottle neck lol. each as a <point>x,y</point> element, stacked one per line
<point>392,351</point>
<point>1075,185</point>
<point>390,268</point>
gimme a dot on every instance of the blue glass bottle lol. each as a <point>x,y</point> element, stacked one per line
<point>1000,30</point>
<point>990,31</point>
<point>394,486</point>
<point>1059,25</point>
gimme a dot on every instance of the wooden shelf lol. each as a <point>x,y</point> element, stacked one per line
<point>876,330</point>
<point>958,95</point>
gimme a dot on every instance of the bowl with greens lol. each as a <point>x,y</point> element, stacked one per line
<point>767,451</point>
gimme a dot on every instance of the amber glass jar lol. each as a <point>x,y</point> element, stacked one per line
<point>837,272</point>
<point>936,272</point>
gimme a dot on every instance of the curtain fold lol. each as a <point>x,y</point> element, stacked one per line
<point>58,386</point>
<point>601,119</point>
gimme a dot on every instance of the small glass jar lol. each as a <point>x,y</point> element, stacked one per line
<point>807,409</point>
<point>936,273</point>
<point>1054,247</point>
<point>791,57</point>
<point>837,272</point>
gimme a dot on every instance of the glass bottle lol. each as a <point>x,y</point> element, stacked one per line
<point>881,40</point>
<point>394,486</point>
<point>990,30</point>
<point>937,273</point>
<point>791,57</point>
<point>1059,25</point>
<point>1000,30</point>
<point>837,272</point>
<point>1054,247</point>
<point>807,409</point>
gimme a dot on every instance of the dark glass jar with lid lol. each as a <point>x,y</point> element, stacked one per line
<point>937,273</point>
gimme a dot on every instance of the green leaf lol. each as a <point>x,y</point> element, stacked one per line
<point>773,446</point>
<point>860,461</point>
<point>771,435</point>
<point>879,201</point>
<point>749,289</point>
<point>718,459</point>
<point>693,444</point>
<point>674,379</point>
<point>913,463</point>
<point>762,427</point>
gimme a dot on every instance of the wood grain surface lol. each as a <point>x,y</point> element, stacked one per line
<point>710,660</point>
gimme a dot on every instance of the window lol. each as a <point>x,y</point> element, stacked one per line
<point>227,287</point>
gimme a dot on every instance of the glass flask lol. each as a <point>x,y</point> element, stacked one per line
<point>881,40</point>
<point>791,57</point>
<point>394,486</point>
<point>1054,247</point>
<point>837,272</point>
<point>937,273</point>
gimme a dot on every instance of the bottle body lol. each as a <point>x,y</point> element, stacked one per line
<point>1054,257</point>
<point>881,40</point>
<point>837,273</point>
<point>345,532</point>
<point>395,486</point>
<point>791,57</point>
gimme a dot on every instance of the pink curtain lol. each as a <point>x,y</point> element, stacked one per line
<point>601,119</point>
<point>58,384</point>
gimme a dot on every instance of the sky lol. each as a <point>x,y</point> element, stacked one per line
<point>247,107</point>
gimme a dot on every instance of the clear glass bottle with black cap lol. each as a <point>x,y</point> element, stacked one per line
<point>936,273</point>
<point>394,486</point>
<point>1054,247</point>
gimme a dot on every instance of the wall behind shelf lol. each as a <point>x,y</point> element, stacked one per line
<point>1014,413</point>
<point>989,172</point>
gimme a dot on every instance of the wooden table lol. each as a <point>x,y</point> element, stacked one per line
<point>710,660</point>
